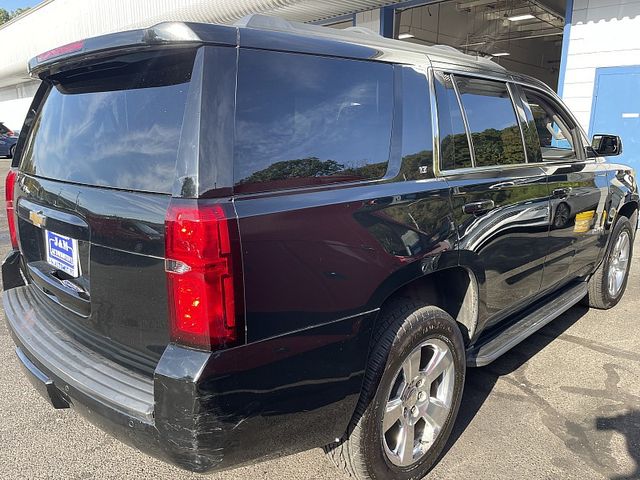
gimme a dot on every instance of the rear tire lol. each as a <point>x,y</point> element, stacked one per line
<point>11,151</point>
<point>608,283</point>
<point>411,396</point>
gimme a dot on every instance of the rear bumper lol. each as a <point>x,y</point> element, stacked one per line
<point>203,411</point>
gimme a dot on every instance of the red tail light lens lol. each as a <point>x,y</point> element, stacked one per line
<point>203,275</point>
<point>9,186</point>
<point>63,50</point>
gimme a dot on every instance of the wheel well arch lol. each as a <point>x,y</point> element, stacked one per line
<point>630,210</point>
<point>454,290</point>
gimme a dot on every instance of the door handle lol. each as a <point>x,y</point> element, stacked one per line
<point>561,192</point>
<point>476,208</point>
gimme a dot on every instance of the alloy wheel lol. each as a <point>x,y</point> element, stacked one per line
<point>618,264</point>
<point>419,403</point>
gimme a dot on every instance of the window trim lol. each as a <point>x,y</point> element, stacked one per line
<point>517,102</point>
<point>465,121</point>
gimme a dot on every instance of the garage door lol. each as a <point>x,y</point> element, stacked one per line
<point>616,109</point>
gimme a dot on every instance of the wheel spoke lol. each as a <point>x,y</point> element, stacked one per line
<point>411,366</point>
<point>438,364</point>
<point>406,442</point>
<point>392,414</point>
<point>435,414</point>
<point>624,250</point>
<point>612,281</point>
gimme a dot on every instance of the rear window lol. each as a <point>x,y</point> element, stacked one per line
<point>115,125</point>
<point>305,120</point>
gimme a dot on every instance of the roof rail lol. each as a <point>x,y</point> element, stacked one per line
<point>266,22</point>
<point>448,47</point>
<point>363,31</point>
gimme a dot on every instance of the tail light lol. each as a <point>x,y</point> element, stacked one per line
<point>9,187</point>
<point>203,275</point>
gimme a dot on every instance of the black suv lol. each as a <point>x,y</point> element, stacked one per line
<point>233,242</point>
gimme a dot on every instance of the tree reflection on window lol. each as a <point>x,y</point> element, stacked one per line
<point>492,122</point>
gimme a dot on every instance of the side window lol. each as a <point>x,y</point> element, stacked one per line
<point>305,120</point>
<point>454,145</point>
<point>493,125</point>
<point>554,132</point>
<point>417,135</point>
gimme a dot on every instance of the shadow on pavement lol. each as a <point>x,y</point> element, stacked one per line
<point>627,424</point>
<point>480,381</point>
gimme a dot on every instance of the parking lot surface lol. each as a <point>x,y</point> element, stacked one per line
<point>563,404</point>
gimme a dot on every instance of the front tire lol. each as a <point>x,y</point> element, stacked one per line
<point>608,283</point>
<point>411,396</point>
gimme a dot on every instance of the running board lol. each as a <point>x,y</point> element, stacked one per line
<point>486,352</point>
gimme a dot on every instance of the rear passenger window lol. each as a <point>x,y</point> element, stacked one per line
<point>454,145</point>
<point>492,122</point>
<point>304,120</point>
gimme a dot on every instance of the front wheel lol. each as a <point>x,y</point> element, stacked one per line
<point>410,399</point>
<point>608,283</point>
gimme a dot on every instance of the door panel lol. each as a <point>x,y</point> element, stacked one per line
<point>578,190</point>
<point>501,204</point>
<point>579,194</point>
<point>508,243</point>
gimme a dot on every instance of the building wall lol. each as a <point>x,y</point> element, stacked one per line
<point>603,33</point>
<point>370,20</point>
<point>15,101</point>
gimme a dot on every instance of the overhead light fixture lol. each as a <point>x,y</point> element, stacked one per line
<point>404,36</point>
<point>517,18</point>
<point>500,54</point>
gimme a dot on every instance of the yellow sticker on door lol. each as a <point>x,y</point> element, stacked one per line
<point>583,221</point>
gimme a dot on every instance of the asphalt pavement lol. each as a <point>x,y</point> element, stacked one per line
<point>564,404</point>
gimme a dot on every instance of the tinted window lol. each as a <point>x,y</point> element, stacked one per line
<point>492,122</point>
<point>304,120</point>
<point>118,127</point>
<point>529,132</point>
<point>553,131</point>
<point>454,145</point>
<point>417,136</point>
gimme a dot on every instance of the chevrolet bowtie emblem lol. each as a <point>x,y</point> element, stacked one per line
<point>37,218</point>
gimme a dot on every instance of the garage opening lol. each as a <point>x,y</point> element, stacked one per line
<point>523,36</point>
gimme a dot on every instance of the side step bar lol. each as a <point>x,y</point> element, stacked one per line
<point>488,350</point>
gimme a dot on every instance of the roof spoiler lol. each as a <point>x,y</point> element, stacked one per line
<point>166,33</point>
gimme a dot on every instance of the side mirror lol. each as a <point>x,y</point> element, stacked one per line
<point>606,145</point>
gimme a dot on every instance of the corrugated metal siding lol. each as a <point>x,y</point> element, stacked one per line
<point>58,22</point>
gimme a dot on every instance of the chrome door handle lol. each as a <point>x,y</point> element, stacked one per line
<point>481,206</point>
<point>561,192</point>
